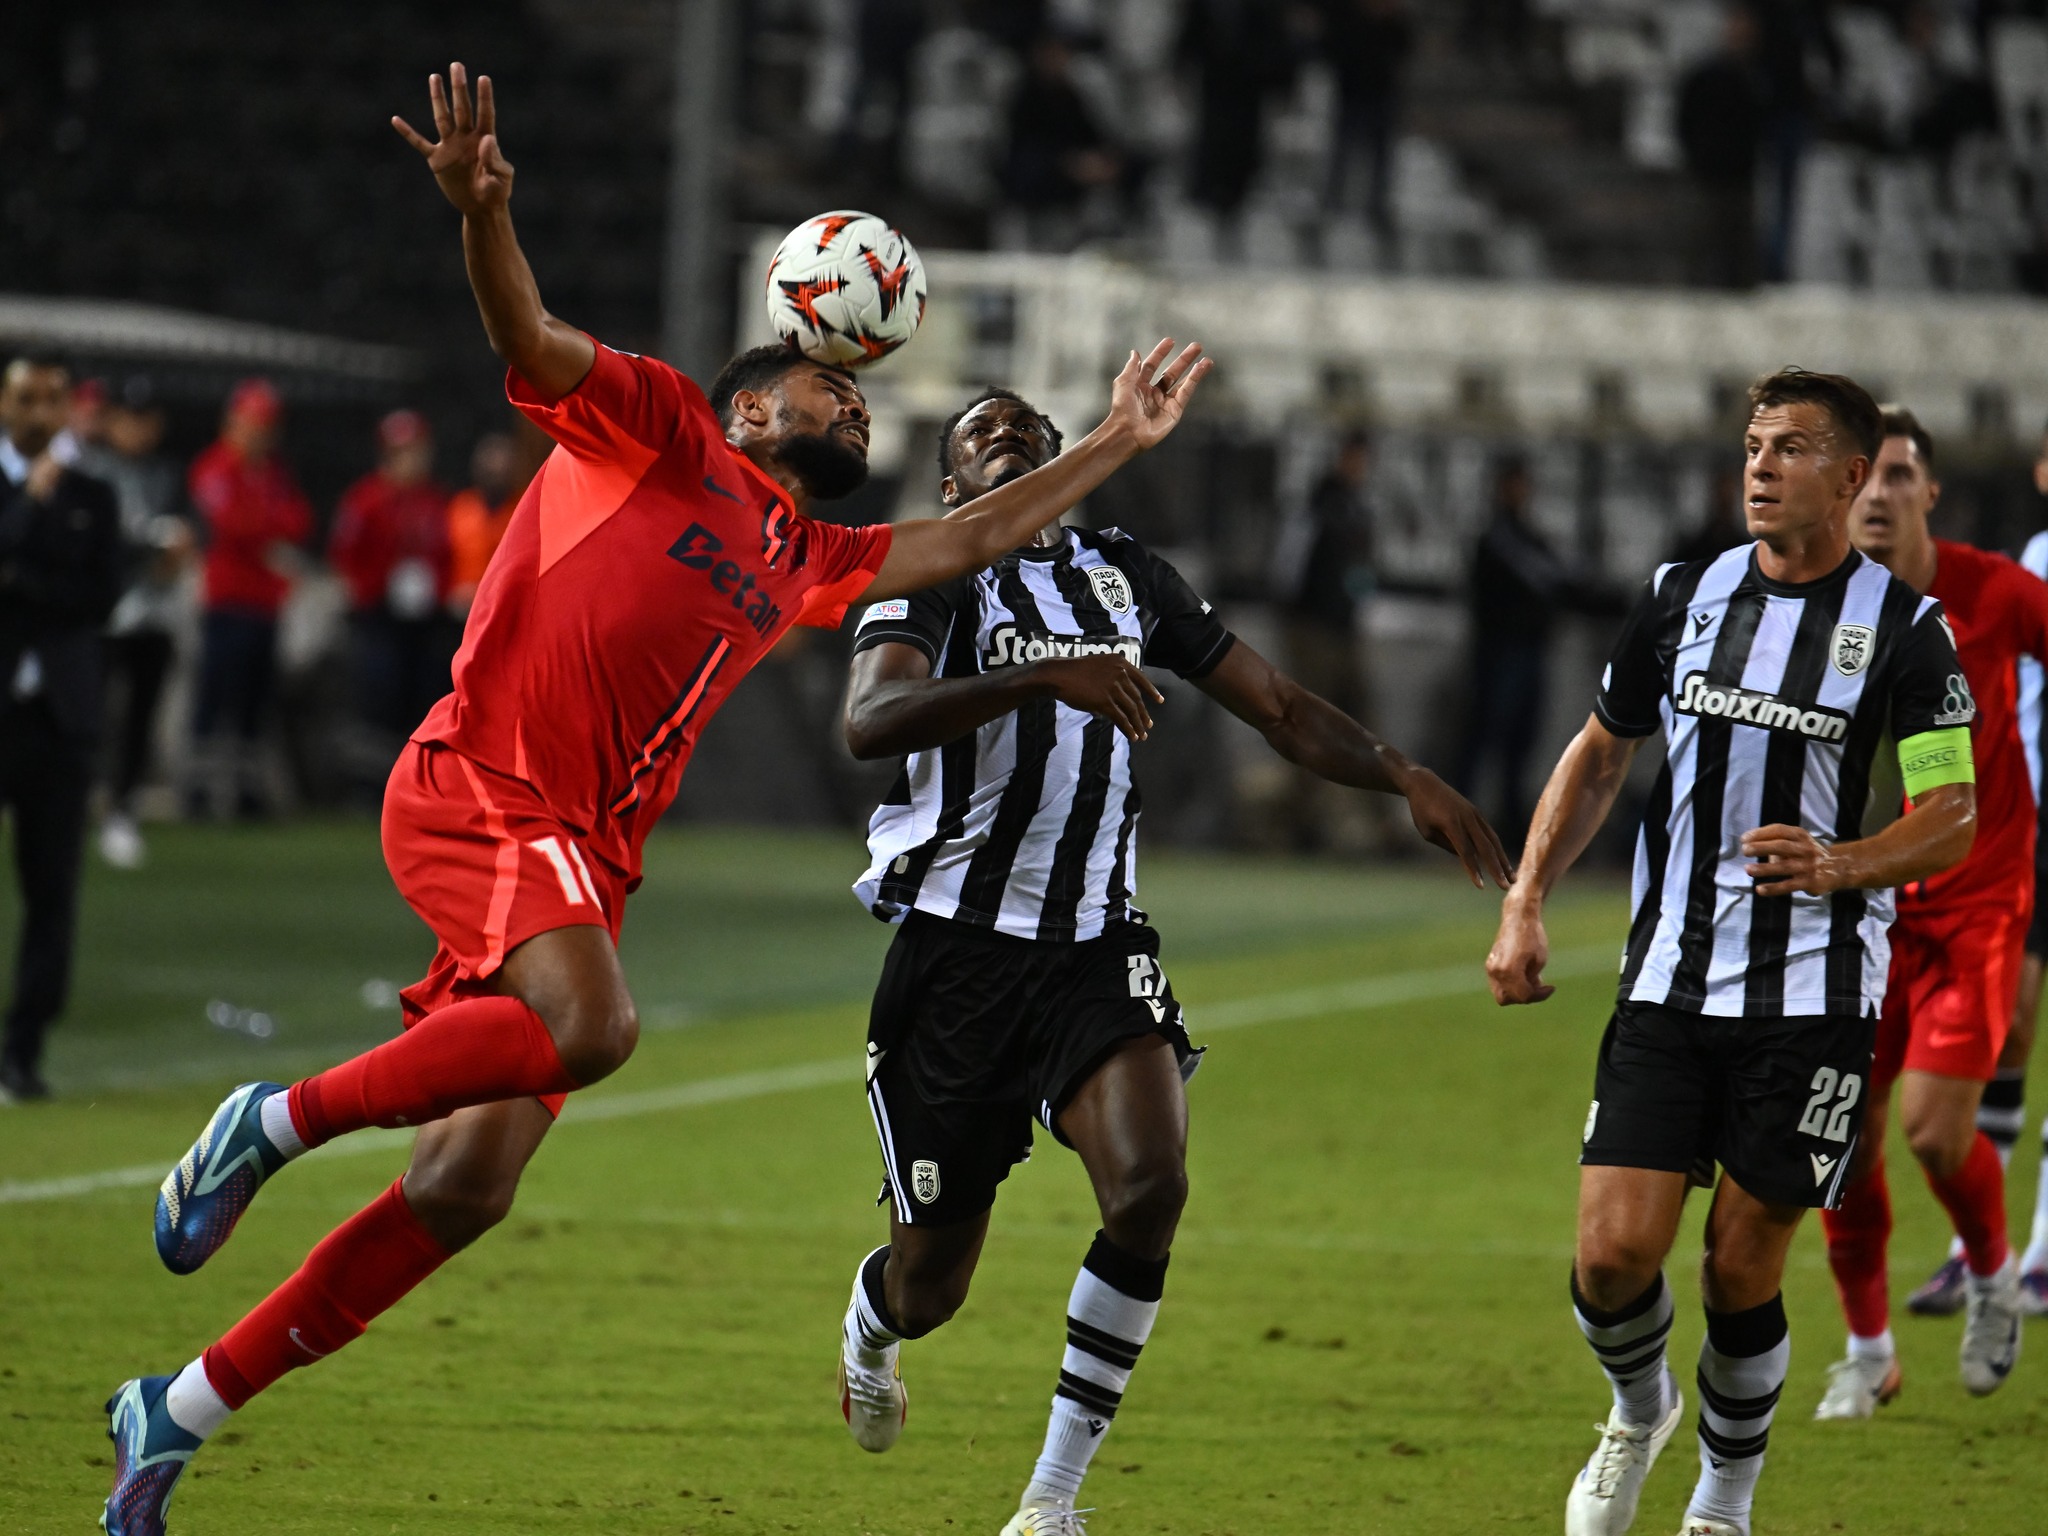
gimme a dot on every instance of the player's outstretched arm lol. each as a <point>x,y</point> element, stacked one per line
<point>1934,835</point>
<point>894,705</point>
<point>1314,733</point>
<point>1575,802</point>
<point>475,176</point>
<point>1144,406</point>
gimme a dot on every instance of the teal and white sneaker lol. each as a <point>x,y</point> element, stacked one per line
<point>150,1452</point>
<point>204,1196</point>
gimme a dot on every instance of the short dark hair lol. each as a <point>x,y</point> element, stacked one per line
<point>1842,397</point>
<point>1900,422</point>
<point>755,370</point>
<point>993,392</point>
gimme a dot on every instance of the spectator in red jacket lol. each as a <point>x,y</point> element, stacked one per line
<point>255,520</point>
<point>390,546</point>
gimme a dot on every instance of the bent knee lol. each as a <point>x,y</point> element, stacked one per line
<point>594,1042</point>
<point>1938,1149</point>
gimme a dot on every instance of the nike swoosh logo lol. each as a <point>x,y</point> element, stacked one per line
<point>215,1173</point>
<point>716,489</point>
<point>317,1354</point>
<point>1958,1037</point>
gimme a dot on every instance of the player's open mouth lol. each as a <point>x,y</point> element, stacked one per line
<point>854,429</point>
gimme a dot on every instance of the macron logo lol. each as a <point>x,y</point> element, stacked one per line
<point>1745,706</point>
<point>1822,1167</point>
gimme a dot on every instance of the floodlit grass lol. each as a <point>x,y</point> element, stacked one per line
<point>1366,1326</point>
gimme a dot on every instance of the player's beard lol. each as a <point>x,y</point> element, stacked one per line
<point>828,465</point>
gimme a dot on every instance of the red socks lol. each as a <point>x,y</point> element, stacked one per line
<point>1857,1235</point>
<point>360,1269</point>
<point>478,1051</point>
<point>1975,1198</point>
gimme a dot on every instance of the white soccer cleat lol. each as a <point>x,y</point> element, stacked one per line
<point>1046,1520</point>
<point>1603,1498</point>
<point>1858,1387</point>
<point>1991,1330</point>
<point>1700,1525</point>
<point>872,1400</point>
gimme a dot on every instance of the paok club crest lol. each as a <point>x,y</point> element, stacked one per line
<point>1111,587</point>
<point>924,1180</point>
<point>1853,645</point>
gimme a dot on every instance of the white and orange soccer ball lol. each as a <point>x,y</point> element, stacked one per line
<point>846,288</point>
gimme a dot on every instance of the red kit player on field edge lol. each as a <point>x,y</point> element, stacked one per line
<point>660,552</point>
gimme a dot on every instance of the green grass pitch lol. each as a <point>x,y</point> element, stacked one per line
<point>1366,1326</point>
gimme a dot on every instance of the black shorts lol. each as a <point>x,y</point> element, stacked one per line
<point>1777,1102</point>
<point>975,1034</point>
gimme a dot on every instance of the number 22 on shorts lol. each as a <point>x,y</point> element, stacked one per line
<point>1831,1122</point>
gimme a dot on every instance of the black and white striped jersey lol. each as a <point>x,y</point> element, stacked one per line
<point>1779,705</point>
<point>1028,826</point>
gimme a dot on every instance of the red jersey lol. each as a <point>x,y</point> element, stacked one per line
<point>384,531</point>
<point>648,567</point>
<point>1999,613</point>
<point>248,508</point>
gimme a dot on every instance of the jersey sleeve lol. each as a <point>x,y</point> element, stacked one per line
<point>1185,635</point>
<point>627,408</point>
<point>844,562</point>
<point>921,620</point>
<point>1932,707</point>
<point>1631,696</point>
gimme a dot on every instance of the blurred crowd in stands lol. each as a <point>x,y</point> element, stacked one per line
<point>211,553</point>
<point>1887,143</point>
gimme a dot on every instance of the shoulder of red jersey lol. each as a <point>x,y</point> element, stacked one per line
<point>626,407</point>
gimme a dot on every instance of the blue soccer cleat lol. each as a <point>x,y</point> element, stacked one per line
<point>204,1196</point>
<point>150,1452</point>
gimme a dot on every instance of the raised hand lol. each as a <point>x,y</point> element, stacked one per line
<point>1149,404</point>
<point>473,172</point>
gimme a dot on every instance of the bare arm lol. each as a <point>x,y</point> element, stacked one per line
<point>1312,732</point>
<point>1934,835</point>
<point>927,551</point>
<point>476,178</point>
<point>1575,802</point>
<point>894,705</point>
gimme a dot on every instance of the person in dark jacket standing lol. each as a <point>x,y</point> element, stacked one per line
<point>1518,586</point>
<point>60,573</point>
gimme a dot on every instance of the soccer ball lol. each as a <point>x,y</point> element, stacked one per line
<point>845,288</point>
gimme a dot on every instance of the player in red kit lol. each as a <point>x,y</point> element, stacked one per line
<point>1956,949</point>
<point>660,552</point>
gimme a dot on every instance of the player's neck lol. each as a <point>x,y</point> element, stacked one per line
<point>1807,555</point>
<point>1914,559</point>
<point>791,482</point>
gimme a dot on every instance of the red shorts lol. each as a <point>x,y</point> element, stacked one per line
<point>486,865</point>
<point>1948,1003</point>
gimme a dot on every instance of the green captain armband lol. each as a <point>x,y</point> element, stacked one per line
<point>1935,758</point>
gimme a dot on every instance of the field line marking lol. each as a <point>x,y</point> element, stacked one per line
<point>1238,1013</point>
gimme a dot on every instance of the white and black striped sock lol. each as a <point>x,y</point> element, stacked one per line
<point>1743,1360</point>
<point>870,1331</point>
<point>1630,1346</point>
<point>1109,1317</point>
